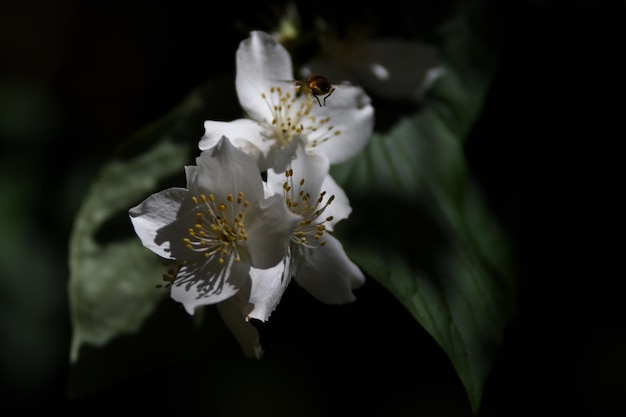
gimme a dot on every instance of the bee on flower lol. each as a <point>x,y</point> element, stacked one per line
<point>278,115</point>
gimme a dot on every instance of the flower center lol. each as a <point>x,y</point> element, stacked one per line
<point>291,116</point>
<point>312,226</point>
<point>219,226</point>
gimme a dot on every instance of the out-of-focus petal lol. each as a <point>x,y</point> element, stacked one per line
<point>389,68</point>
<point>406,64</point>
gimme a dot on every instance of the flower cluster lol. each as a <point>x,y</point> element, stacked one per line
<point>260,205</point>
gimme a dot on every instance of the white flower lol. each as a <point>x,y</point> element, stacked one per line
<point>217,228</point>
<point>316,259</point>
<point>279,113</point>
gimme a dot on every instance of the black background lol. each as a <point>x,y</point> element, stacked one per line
<point>545,150</point>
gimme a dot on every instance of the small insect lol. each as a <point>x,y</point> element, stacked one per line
<point>318,85</point>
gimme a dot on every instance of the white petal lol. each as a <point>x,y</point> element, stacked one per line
<point>269,232</point>
<point>240,129</point>
<point>312,167</point>
<point>190,173</point>
<point>244,134</point>
<point>261,61</point>
<point>232,312</point>
<point>154,213</point>
<point>275,186</point>
<point>268,286</point>
<point>225,169</point>
<point>340,207</point>
<point>172,234</point>
<point>207,283</point>
<point>326,272</point>
<point>280,158</point>
<point>352,114</point>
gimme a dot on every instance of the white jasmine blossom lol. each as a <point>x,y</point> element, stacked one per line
<point>217,228</point>
<point>280,113</point>
<point>316,259</point>
<point>238,241</point>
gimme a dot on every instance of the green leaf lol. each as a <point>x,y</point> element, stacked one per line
<point>112,276</point>
<point>420,225</point>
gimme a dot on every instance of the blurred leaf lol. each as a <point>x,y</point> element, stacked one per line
<point>112,286</point>
<point>420,226</point>
<point>112,276</point>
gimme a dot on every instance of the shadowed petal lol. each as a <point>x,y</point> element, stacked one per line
<point>232,312</point>
<point>326,272</point>
<point>245,134</point>
<point>224,170</point>
<point>155,212</point>
<point>204,283</point>
<point>269,235</point>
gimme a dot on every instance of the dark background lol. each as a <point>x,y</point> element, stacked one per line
<point>87,74</point>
